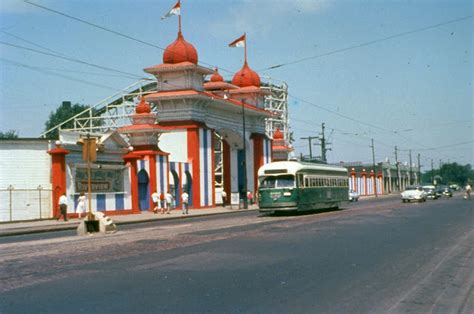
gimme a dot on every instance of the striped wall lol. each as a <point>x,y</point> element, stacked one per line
<point>267,151</point>
<point>365,185</point>
<point>161,164</point>
<point>206,167</point>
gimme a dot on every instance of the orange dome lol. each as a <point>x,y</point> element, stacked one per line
<point>180,51</point>
<point>246,77</point>
<point>216,77</point>
<point>143,107</point>
<point>278,135</point>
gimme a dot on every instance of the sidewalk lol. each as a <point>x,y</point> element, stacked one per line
<point>39,226</point>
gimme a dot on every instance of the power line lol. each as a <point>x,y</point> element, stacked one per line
<point>38,69</point>
<point>368,43</point>
<point>112,31</point>
<point>130,75</point>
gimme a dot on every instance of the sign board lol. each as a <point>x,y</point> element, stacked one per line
<point>234,198</point>
<point>102,180</point>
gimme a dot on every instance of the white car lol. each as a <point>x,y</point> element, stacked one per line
<point>414,193</point>
<point>353,196</point>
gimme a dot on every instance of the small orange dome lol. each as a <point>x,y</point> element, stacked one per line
<point>143,107</point>
<point>246,77</point>
<point>216,77</point>
<point>277,135</point>
<point>180,51</point>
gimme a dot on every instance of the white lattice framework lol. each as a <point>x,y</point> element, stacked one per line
<point>277,104</point>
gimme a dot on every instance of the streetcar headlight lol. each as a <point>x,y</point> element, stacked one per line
<point>286,193</point>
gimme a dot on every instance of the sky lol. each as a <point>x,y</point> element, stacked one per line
<point>397,72</point>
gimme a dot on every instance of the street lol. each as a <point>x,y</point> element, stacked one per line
<point>374,256</point>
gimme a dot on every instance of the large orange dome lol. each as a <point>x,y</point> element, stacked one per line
<point>246,77</point>
<point>278,135</point>
<point>180,51</point>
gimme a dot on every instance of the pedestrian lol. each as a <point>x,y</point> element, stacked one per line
<point>224,198</point>
<point>185,201</point>
<point>468,191</point>
<point>169,202</point>
<point>81,205</point>
<point>162,202</point>
<point>249,197</point>
<point>155,198</point>
<point>62,207</point>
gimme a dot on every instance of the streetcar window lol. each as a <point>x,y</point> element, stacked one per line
<point>285,182</point>
<point>268,183</point>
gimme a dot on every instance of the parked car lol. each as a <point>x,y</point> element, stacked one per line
<point>413,193</point>
<point>353,196</point>
<point>439,191</point>
<point>430,191</point>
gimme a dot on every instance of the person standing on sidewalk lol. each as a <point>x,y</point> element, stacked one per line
<point>162,202</point>
<point>155,198</point>
<point>224,198</point>
<point>81,205</point>
<point>62,207</point>
<point>169,202</point>
<point>185,201</point>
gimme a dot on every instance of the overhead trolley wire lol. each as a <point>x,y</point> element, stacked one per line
<point>367,43</point>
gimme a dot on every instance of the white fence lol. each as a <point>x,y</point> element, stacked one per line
<point>25,204</point>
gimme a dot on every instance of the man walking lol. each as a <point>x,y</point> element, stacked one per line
<point>62,207</point>
<point>185,201</point>
<point>156,198</point>
<point>169,202</point>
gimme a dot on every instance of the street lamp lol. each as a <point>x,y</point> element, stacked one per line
<point>244,162</point>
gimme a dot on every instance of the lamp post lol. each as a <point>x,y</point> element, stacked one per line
<point>244,162</point>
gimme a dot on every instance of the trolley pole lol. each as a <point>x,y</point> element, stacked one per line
<point>398,170</point>
<point>411,170</point>
<point>310,139</point>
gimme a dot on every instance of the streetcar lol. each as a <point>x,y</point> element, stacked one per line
<point>301,186</point>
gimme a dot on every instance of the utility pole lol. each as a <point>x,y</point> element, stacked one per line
<point>411,170</point>
<point>398,170</point>
<point>244,162</point>
<point>323,144</point>
<point>375,171</point>
<point>432,171</point>
<point>310,139</point>
<point>419,170</point>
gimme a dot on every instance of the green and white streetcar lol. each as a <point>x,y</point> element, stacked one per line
<point>301,186</point>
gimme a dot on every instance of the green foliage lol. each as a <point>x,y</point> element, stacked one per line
<point>451,173</point>
<point>63,113</point>
<point>9,134</point>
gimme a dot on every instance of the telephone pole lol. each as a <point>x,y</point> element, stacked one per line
<point>432,174</point>
<point>323,144</point>
<point>411,170</point>
<point>419,170</point>
<point>398,170</point>
<point>375,171</point>
<point>310,139</point>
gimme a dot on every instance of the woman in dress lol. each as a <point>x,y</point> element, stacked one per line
<point>81,205</point>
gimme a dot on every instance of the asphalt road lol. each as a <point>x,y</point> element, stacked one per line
<point>373,257</point>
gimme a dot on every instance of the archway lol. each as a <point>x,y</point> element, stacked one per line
<point>188,186</point>
<point>174,187</point>
<point>143,190</point>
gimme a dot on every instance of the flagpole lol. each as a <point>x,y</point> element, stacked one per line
<point>179,17</point>
<point>245,47</point>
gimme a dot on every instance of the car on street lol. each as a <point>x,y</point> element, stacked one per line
<point>353,196</point>
<point>447,192</point>
<point>430,191</point>
<point>413,193</point>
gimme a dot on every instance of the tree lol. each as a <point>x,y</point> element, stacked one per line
<point>451,173</point>
<point>9,134</point>
<point>63,113</point>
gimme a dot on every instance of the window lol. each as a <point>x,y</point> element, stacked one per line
<point>268,183</point>
<point>285,182</point>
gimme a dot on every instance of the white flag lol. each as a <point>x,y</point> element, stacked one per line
<point>176,10</point>
<point>239,42</point>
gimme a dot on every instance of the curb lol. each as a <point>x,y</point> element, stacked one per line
<point>73,225</point>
